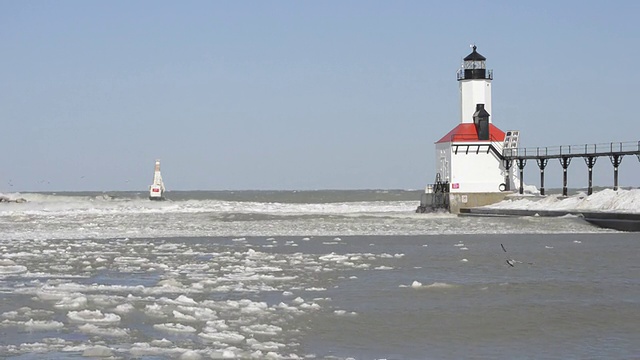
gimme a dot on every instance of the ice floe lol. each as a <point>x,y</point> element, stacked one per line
<point>93,316</point>
<point>175,327</point>
<point>229,299</point>
<point>103,331</point>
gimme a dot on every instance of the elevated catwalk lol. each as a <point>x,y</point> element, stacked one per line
<point>615,151</point>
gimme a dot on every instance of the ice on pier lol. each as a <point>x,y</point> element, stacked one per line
<point>620,200</point>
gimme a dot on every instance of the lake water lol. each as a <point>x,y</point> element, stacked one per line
<point>326,275</point>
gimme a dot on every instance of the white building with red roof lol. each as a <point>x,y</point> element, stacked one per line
<point>468,158</point>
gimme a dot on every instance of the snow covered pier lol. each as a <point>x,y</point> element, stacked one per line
<point>614,209</point>
<point>610,220</point>
<point>565,153</point>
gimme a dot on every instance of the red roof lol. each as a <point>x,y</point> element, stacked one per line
<point>467,133</point>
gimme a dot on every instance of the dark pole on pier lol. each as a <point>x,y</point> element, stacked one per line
<point>616,159</point>
<point>590,161</point>
<point>542,163</point>
<point>521,164</point>
<point>507,179</point>
<point>564,161</point>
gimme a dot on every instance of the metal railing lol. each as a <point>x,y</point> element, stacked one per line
<point>603,149</point>
<point>460,74</point>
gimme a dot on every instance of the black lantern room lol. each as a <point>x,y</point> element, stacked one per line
<point>475,67</point>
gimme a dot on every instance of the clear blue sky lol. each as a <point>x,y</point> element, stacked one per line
<point>299,94</point>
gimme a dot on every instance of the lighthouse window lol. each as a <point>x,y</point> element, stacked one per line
<point>474,64</point>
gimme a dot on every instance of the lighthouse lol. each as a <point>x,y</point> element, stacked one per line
<point>157,189</point>
<point>470,170</point>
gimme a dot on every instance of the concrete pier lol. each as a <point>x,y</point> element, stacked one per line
<point>458,201</point>
<point>611,220</point>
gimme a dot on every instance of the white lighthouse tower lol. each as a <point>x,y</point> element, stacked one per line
<point>468,158</point>
<point>157,189</point>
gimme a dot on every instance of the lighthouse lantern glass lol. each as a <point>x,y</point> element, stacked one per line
<point>474,64</point>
